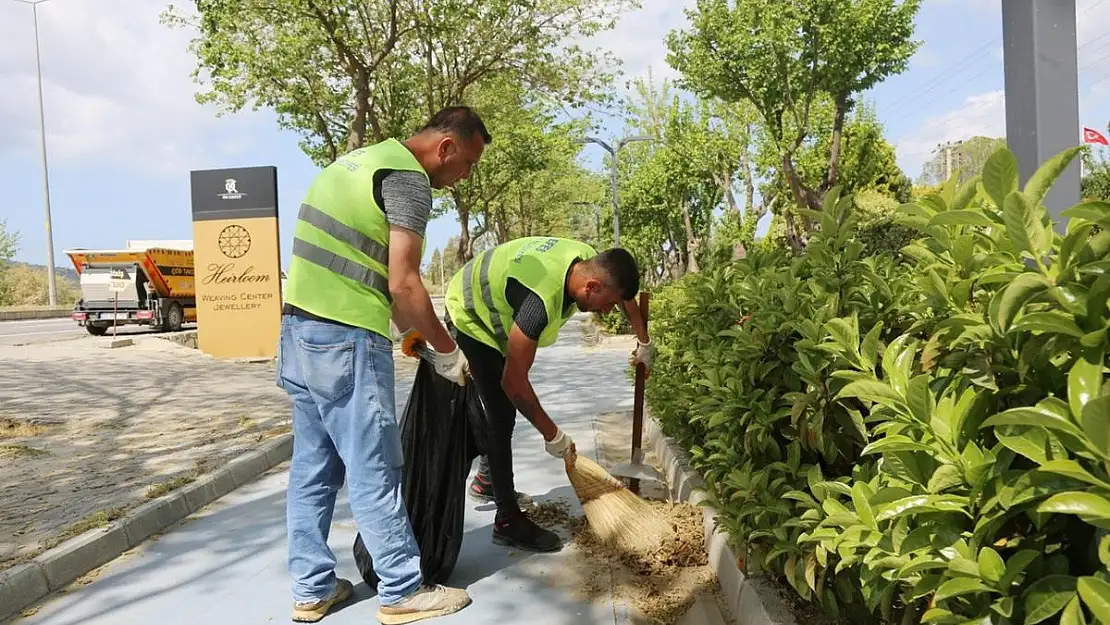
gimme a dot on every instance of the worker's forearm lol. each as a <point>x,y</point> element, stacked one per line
<point>410,300</point>
<point>637,320</point>
<point>524,398</point>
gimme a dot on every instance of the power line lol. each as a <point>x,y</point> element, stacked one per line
<point>944,75</point>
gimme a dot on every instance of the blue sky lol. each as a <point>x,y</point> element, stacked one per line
<point>123,130</point>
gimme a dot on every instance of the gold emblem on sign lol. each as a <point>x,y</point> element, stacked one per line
<point>234,241</point>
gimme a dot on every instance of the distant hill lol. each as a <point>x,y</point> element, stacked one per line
<point>68,273</point>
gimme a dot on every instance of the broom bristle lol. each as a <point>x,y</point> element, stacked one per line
<point>615,514</point>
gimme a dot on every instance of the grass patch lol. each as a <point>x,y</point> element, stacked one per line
<point>12,428</point>
<point>246,423</point>
<point>275,431</point>
<point>100,518</point>
<point>20,451</point>
<point>157,490</point>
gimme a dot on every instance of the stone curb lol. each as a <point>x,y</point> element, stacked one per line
<point>748,599</point>
<point>26,584</point>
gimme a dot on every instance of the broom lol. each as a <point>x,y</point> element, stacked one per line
<point>617,516</point>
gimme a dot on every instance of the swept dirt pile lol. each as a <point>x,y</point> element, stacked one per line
<point>660,583</point>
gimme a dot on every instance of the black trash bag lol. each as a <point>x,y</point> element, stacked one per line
<point>444,427</point>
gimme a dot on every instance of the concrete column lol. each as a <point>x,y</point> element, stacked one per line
<point>1042,91</point>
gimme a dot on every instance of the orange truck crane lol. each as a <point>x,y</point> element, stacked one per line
<point>146,283</point>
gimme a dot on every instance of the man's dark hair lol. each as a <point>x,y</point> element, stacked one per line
<point>461,121</point>
<point>620,266</point>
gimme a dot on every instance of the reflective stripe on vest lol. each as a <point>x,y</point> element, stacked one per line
<point>487,296</point>
<point>342,266</point>
<point>316,217</point>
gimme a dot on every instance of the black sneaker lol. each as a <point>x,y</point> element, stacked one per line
<point>517,530</point>
<point>481,489</point>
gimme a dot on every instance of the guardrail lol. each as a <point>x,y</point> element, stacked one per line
<point>44,312</point>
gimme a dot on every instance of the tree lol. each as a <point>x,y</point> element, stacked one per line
<point>967,157</point>
<point>346,74</point>
<point>868,160</point>
<point>515,177</point>
<point>1095,184</point>
<point>9,243</point>
<point>782,56</point>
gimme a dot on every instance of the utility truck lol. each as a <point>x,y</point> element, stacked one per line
<point>147,283</point>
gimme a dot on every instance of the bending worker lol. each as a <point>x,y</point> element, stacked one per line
<point>501,306</point>
<point>356,262</point>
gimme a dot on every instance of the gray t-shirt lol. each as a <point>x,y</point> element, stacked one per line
<point>406,198</point>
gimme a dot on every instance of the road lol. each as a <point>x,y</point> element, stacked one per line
<point>49,331</point>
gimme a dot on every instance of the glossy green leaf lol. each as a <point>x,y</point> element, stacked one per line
<point>960,218</point>
<point>873,391</point>
<point>897,361</point>
<point>962,586</point>
<point>1094,210</point>
<point>1096,422</point>
<point>1096,596</point>
<point>1034,415</point>
<point>1023,225</point>
<point>945,477</point>
<point>1084,382</point>
<point>1097,297</point>
<point>937,503</point>
<point>894,442</point>
<point>1073,613</point>
<point>1085,505</point>
<point>863,508</point>
<point>1074,470</point>
<point>1042,179</point>
<point>1047,596</point>
<point>991,565</point>
<point>1000,176</point>
<point>1016,565</point>
<point>1052,321</point>
<point>1011,300</point>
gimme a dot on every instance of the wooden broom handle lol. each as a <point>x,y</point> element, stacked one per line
<point>638,399</point>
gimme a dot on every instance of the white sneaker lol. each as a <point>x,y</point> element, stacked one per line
<point>427,602</point>
<point>312,611</point>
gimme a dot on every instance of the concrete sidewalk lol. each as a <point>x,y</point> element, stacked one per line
<point>227,563</point>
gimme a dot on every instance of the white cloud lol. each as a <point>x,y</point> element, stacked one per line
<point>116,86</point>
<point>639,38</point>
<point>982,114</point>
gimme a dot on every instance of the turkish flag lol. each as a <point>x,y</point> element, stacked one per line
<point>1093,136</point>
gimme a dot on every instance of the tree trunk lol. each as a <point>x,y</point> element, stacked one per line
<point>691,240</point>
<point>793,229</point>
<point>465,252</point>
<point>746,178</point>
<point>357,138</point>
<point>837,133</point>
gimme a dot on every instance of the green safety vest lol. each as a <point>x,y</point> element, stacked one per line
<point>340,262</point>
<point>476,296</point>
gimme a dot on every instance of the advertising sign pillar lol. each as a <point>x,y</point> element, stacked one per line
<point>238,261</point>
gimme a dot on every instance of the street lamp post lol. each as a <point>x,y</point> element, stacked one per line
<point>45,174</point>
<point>613,153</point>
<point>597,221</point>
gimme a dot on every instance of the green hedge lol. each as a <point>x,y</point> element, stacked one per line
<point>924,439</point>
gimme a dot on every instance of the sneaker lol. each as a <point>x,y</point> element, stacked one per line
<point>312,611</point>
<point>428,602</point>
<point>517,530</point>
<point>481,489</point>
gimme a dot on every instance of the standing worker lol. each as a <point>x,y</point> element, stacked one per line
<point>501,306</point>
<point>356,249</point>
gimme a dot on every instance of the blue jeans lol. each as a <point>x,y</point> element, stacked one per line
<point>341,382</point>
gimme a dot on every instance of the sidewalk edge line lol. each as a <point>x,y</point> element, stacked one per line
<point>22,586</point>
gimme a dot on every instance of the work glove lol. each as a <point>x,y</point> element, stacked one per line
<point>453,366</point>
<point>410,341</point>
<point>559,446</point>
<point>643,354</point>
